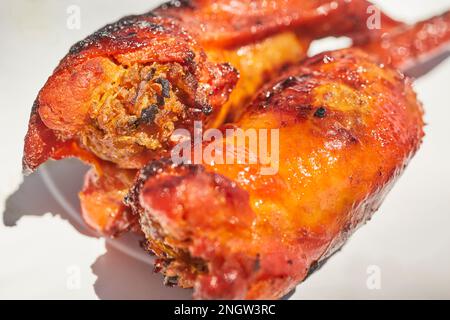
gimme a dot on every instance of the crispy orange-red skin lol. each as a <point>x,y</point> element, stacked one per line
<point>183,32</point>
<point>348,126</point>
<point>102,203</point>
<point>180,32</point>
<point>229,23</point>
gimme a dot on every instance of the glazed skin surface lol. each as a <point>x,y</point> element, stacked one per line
<point>172,66</point>
<point>226,23</point>
<point>102,197</point>
<point>348,126</point>
<point>101,74</point>
<point>119,94</point>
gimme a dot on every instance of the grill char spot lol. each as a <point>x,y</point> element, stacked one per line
<point>320,113</point>
<point>148,114</point>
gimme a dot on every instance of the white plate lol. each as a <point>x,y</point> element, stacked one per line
<point>46,251</point>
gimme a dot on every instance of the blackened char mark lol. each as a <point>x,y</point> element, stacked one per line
<point>148,114</point>
<point>151,169</point>
<point>320,113</point>
<point>110,30</point>
<point>266,98</point>
<point>280,86</point>
<point>207,110</point>
<point>165,85</point>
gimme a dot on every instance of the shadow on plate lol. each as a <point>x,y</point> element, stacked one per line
<point>125,271</point>
<point>421,69</point>
<point>122,277</point>
<point>35,198</point>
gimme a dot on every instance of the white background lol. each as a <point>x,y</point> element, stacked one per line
<point>45,254</point>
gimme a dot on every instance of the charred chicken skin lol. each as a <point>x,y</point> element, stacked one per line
<point>118,95</point>
<point>348,125</point>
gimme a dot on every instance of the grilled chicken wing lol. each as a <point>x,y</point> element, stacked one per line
<point>119,94</point>
<point>117,97</point>
<point>401,46</point>
<point>347,128</point>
